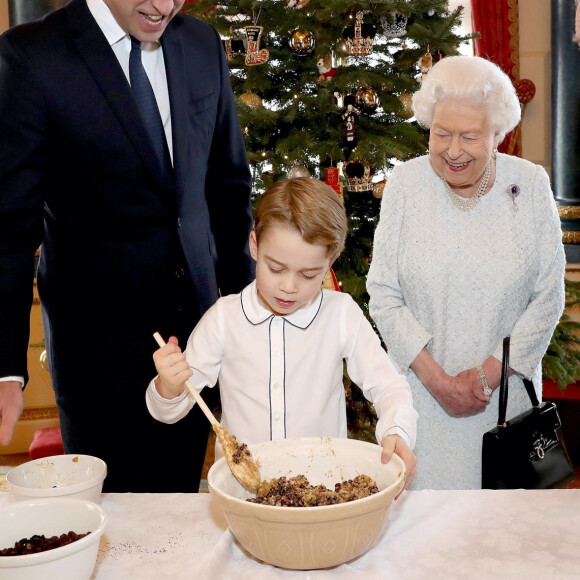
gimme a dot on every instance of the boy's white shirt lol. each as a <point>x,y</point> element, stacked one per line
<point>282,376</point>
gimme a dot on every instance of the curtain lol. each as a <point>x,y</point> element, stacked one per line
<point>498,23</point>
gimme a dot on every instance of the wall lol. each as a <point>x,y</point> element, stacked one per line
<point>3,15</point>
<point>535,64</point>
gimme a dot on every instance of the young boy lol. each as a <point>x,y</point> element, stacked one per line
<point>277,348</point>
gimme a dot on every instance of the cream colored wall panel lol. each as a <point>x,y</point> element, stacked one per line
<point>537,120</point>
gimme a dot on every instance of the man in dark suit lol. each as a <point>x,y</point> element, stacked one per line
<point>128,248</point>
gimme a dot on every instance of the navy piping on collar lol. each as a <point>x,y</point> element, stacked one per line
<point>317,311</point>
<point>271,316</point>
<point>248,318</point>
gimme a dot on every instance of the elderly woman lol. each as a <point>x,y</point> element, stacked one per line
<point>468,250</point>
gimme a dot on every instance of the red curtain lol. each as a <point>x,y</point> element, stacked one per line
<point>498,23</point>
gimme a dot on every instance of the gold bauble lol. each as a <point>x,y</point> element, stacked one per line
<point>302,42</point>
<point>298,171</point>
<point>252,100</point>
<point>378,188</point>
<point>407,111</point>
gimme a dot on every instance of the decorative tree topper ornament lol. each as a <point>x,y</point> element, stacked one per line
<point>359,38</point>
<point>254,55</point>
<point>302,42</point>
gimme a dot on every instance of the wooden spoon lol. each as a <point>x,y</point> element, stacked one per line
<point>237,455</point>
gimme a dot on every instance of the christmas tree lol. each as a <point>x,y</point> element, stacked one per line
<point>323,88</point>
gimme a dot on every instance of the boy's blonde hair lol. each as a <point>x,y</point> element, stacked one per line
<point>308,206</point>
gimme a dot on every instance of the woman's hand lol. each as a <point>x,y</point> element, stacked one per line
<point>459,396</point>
<point>396,444</point>
<point>172,368</point>
<point>464,395</point>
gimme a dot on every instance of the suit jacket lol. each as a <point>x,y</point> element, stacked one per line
<point>79,175</point>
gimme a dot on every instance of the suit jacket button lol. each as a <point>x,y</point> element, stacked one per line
<point>180,273</point>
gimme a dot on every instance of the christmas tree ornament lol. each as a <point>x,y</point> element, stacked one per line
<point>233,47</point>
<point>298,4</point>
<point>359,37</point>
<point>349,117</point>
<point>424,63</point>
<point>367,99</point>
<point>251,99</point>
<point>394,24</point>
<point>326,71</point>
<point>338,99</point>
<point>255,55</point>
<point>301,42</point>
<point>378,188</point>
<point>359,177</point>
<point>332,179</point>
<point>298,171</point>
<point>407,109</point>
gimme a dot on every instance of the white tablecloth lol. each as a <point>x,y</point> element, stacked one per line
<point>463,535</point>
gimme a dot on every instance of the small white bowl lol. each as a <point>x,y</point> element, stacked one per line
<point>304,538</point>
<point>51,517</point>
<point>76,476</point>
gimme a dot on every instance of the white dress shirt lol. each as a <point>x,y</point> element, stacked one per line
<point>282,376</point>
<point>151,56</point>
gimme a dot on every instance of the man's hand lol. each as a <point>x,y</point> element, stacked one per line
<point>11,406</point>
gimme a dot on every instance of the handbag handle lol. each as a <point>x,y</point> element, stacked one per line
<point>503,388</point>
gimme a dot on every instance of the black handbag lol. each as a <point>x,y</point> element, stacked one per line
<point>528,451</point>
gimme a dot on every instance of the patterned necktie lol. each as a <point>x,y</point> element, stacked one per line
<point>145,98</point>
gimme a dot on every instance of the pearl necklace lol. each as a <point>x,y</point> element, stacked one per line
<point>468,203</point>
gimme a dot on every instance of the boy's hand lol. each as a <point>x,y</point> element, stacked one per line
<point>396,444</point>
<point>172,368</point>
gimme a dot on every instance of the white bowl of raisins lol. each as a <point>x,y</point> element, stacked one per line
<point>50,538</point>
<point>293,525</point>
<point>72,475</point>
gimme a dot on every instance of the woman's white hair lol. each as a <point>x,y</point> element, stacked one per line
<point>473,79</point>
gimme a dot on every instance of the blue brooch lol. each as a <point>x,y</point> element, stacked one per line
<point>513,191</point>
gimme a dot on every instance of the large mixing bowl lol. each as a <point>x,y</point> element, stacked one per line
<point>305,538</point>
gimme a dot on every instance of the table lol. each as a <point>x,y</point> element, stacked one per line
<point>447,535</point>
